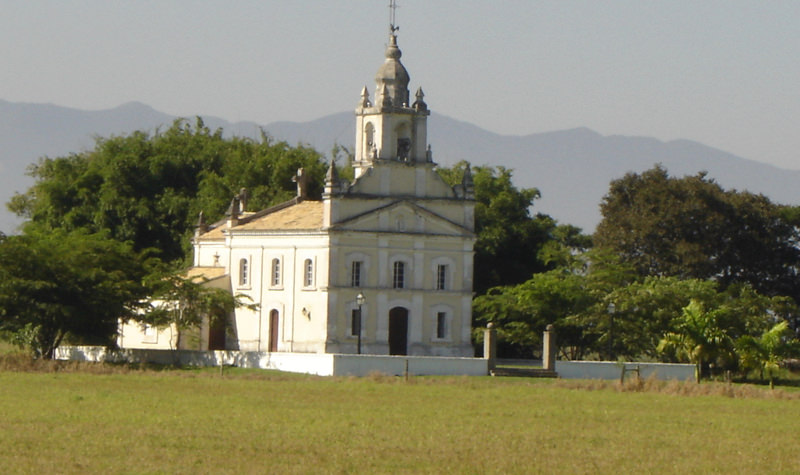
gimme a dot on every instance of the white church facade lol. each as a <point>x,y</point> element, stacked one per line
<point>382,265</point>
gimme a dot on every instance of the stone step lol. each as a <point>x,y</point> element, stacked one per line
<point>524,372</point>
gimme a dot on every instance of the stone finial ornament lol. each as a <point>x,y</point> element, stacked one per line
<point>302,183</point>
<point>365,102</point>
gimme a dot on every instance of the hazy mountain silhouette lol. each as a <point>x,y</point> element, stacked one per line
<point>571,168</point>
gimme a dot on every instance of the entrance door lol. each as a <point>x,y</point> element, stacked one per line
<point>273,330</point>
<point>398,331</point>
<point>216,334</point>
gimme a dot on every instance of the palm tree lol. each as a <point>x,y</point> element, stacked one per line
<point>766,351</point>
<point>699,339</point>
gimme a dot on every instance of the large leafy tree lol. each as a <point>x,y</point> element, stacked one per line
<point>521,312</point>
<point>692,228</point>
<point>56,284</point>
<point>148,189</point>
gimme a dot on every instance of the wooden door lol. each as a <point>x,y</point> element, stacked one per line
<point>398,331</point>
<point>273,330</point>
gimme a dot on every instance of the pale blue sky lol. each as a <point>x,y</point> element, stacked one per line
<point>722,72</point>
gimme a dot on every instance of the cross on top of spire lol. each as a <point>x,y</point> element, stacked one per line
<point>392,13</point>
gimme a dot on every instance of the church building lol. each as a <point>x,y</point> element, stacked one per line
<point>381,265</point>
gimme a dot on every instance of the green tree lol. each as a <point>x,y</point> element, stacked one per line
<point>521,313</point>
<point>56,284</point>
<point>630,319</point>
<point>148,189</point>
<point>699,339</point>
<point>691,228</point>
<point>182,304</point>
<point>765,352</point>
<point>511,243</point>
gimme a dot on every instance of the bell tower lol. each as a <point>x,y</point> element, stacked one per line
<point>391,128</point>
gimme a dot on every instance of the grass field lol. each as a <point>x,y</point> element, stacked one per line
<point>193,421</point>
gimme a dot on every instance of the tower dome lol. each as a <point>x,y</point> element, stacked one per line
<point>393,75</point>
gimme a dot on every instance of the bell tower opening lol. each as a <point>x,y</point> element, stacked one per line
<point>391,127</point>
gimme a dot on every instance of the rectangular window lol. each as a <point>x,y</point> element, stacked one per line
<point>276,272</point>
<point>308,278</point>
<point>441,277</point>
<point>398,275</point>
<point>355,274</point>
<point>355,322</point>
<point>149,334</point>
<point>441,325</point>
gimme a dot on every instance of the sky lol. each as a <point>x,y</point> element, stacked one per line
<point>722,72</point>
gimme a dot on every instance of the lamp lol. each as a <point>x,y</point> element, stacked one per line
<point>360,300</point>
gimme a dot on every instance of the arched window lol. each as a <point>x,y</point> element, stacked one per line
<point>403,142</point>
<point>244,273</point>
<point>276,272</point>
<point>369,138</point>
<point>399,275</point>
<point>308,273</point>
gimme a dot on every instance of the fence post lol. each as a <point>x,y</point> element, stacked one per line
<point>549,349</point>
<point>490,345</point>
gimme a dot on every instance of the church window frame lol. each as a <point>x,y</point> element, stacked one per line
<point>441,323</point>
<point>351,310</point>
<point>308,273</point>
<point>443,274</point>
<point>399,274</point>
<point>244,272</point>
<point>355,322</point>
<point>346,277</point>
<point>276,274</point>
<point>402,134</point>
<point>149,334</point>
<point>356,273</point>
<point>369,139</point>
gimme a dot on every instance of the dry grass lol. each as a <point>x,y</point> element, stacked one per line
<point>100,418</point>
<point>681,388</point>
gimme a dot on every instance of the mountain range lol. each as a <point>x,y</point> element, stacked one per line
<point>571,168</point>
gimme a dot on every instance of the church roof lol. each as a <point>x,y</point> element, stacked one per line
<point>294,215</point>
<point>305,215</point>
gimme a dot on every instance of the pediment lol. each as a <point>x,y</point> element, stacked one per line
<point>397,179</point>
<point>402,217</point>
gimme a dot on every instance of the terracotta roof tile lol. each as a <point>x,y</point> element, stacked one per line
<point>305,215</point>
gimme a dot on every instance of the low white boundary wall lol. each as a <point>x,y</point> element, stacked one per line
<point>613,370</point>
<point>310,363</point>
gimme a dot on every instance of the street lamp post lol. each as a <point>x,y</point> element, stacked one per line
<point>611,309</point>
<point>360,299</point>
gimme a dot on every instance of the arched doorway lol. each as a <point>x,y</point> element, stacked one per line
<point>398,331</point>
<point>273,330</point>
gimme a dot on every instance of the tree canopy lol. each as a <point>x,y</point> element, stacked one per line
<point>510,241</point>
<point>149,189</point>
<point>56,284</point>
<point>692,228</point>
